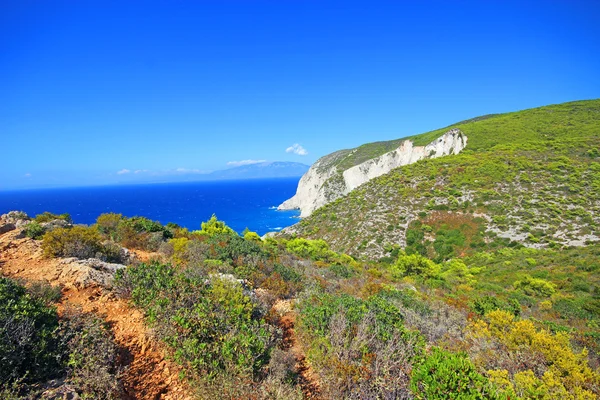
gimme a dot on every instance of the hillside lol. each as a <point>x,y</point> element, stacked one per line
<point>530,177</point>
<point>127,309</point>
<point>337,174</point>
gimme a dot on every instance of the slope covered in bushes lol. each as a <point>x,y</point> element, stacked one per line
<point>530,177</point>
<point>291,318</point>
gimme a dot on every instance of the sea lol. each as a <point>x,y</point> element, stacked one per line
<point>241,204</point>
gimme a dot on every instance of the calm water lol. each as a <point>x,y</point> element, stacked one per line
<point>241,204</point>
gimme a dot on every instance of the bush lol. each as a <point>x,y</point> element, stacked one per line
<point>79,241</point>
<point>445,375</point>
<point>483,305</point>
<point>214,227</point>
<point>113,252</point>
<point>415,265</point>
<point>108,224</point>
<point>341,271</point>
<point>44,292</point>
<point>313,249</point>
<point>535,286</point>
<point>233,248</point>
<point>48,216</point>
<point>530,358</point>
<point>29,350</point>
<point>136,232</point>
<point>359,348</point>
<point>92,356</point>
<point>34,230</point>
<point>211,324</point>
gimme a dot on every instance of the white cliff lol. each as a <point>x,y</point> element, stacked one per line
<point>324,182</point>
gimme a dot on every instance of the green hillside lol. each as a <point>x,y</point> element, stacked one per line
<point>252,318</point>
<point>525,178</point>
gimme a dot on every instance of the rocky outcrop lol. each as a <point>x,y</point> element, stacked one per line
<point>13,220</point>
<point>324,182</point>
<point>23,256</point>
<point>87,273</point>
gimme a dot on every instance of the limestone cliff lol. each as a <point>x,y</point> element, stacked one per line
<point>327,180</point>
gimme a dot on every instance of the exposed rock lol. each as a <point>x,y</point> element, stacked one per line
<point>13,220</point>
<point>86,273</point>
<point>55,223</point>
<point>325,182</point>
<point>13,217</point>
<point>7,228</point>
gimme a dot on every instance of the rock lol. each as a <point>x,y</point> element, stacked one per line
<point>12,220</point>
<point>12,217</point>
<point>324,182</point>
<point>55,223</point>
<point>90,272</point>
<point>7,228</point>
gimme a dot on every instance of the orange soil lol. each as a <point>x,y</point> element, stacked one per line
<point>307,378</point>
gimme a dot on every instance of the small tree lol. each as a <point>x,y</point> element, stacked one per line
<point>214,227</point>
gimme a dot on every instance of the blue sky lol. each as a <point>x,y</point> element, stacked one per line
<point>92,88</point>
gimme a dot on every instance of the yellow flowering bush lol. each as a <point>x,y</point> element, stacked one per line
<point>529,363</point>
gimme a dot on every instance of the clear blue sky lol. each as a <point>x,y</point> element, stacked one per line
<point>92,88</point>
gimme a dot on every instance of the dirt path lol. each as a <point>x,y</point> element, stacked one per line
<point>307,378</point>
<point>147,374</point>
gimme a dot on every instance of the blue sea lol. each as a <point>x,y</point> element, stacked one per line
<point>241,204</point>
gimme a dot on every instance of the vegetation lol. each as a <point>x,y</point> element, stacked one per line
<point>537,184</point>
<point>78,241</point>
<point>34,230</point>
<point>513,322</point>
<point>212,326</point>
<point>49,217</point>
<point>35,345</point>
<point>473,276</point>
<point>445,375</point>
<point>27,344</point>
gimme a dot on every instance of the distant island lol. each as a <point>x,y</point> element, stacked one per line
<point>267,169</point>
<point>259,170</point>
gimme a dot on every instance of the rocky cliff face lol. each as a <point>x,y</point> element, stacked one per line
<point>324,182</point>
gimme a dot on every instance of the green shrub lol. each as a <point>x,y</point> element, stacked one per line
<point>78,241</point>
<point>136,232</point>
<point>48,216</point>
<point>34,230</point>
<point>249,235</point>
<point>211,324</point>
<point>288,274</point>
<point>44,292</point>
<point>445,375</point>
<point>359,348</point>
<point>415,265</point>
<point>483,305</point>
<point>108,224</point>
<point>92,356</point>
<point>233,248</point>
<point>535,286</point>
<point>341,271</point>
<point>112,252</point>
<point>313,249</point>
<point>29,349</point>
<point>214,227</point>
